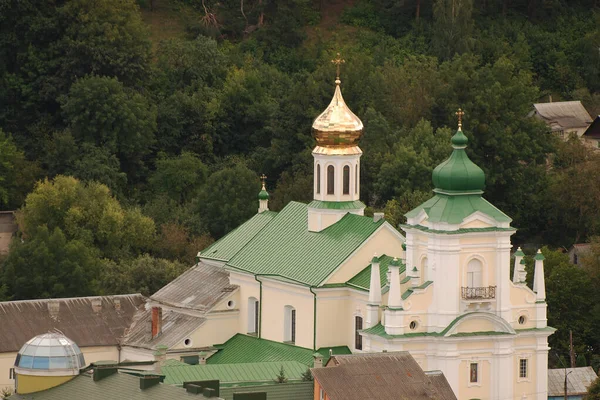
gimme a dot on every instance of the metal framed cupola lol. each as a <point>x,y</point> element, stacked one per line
<point>336,184</point>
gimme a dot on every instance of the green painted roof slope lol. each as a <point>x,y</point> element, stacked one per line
<point>285,247</point>
<point>285,391</point>
<point>113,387</point>
<point>362,280</point>
<point>454,209</point>
<point>257,372</point>
<point>229,245</point>
<point>248,349</point>
<point>336,205</point>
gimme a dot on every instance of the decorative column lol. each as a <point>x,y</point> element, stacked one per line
<point>374,294</point>
<point>393,314</point>
<point>517,267</point>
<point>539,287</point>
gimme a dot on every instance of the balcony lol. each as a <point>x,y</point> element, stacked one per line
<point>479,293</point>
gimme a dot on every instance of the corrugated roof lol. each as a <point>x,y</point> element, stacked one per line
<point>176,327</point>
<point>198,288</point>
<point>287,248</point>
<point>264,372</point>
<point>118,386</point>
<point>88,321</point>
<point>578,380</point>
<point>249,349</point>
<point>562,115</point>
<point>285,391</point>
<point>380,376</point>
<point>229,245</point>
<point>362,280</point>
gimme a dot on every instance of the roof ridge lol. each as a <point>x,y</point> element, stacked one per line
<point>73,298</point>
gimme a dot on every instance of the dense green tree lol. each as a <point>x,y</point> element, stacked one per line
<point>17,175</point>
<point>180,177</point>
<point>50,265</point>
<point>453,27</point>
<point>593,391</point>
<point>86,212</point>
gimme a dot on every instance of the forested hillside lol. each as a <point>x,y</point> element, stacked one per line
<point>132,134</point>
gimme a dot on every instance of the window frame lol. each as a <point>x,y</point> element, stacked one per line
<point>358,339</point>
<point>346,180</point>
<point>330,180</point>
<point>318,178</point>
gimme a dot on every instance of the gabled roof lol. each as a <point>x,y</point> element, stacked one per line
<point>285,247</point>
<point>362,280</point>
<point>200,288</point>
<point>578,380</point>
<point>454,209</point>
<point>381,376</point>
<point>256,372</point>
<point>276,391</point>
<point>88,321</point>
<point>593,131</point>
<point>234,241</point>
<point>249,349</point>
<point>117,386</point>
<point>563,114</point>
<point>176,327</point>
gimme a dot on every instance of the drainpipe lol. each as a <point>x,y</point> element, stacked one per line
<point>314,318</point>
<point>260,305</point>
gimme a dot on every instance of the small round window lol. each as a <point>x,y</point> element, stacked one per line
<point>187,342</point>
<point>522,320</point>
<point>413,325</point>
<point>230,304</point>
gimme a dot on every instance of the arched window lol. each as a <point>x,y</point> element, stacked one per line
<point>474,273</point>
<point>330,179</point>
<point>318,178</point>
<point>289,324</point>
<point>358,325</point>
<point>356,179</point>
<point>346,180</point>
<point>424,269</point>
<point>253,314</point>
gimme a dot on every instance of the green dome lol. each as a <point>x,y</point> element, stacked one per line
<point>263,195</point>
<point>458,173</point>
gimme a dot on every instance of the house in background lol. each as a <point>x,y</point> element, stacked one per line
<point>591,136</point>
<point>563,117</point>
<point>577,251</point>
<point>8,228</point>
<point>381,376</point>
<point>578,381</point>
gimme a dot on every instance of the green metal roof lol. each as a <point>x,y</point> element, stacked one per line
<point>249,349</point>
<point>362,280</point>
<point>410,291</point>
<point>337,205</point>
<point>539,256</point>
<point>263,195</point>
<point>285,247</point>
<point>453,209</point>
<point>256,372</point>
<point>459,231</point>
<point>283,391</point>
<point>229,245</point>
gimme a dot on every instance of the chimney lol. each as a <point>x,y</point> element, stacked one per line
<point>147,381</point>
<point>117,304</point>
<point>318,360</point>
<point>378,216</point>
<point>53,308</point>
<point>156,321</point>
<point>97,305</point>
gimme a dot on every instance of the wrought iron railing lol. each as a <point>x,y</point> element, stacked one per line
<point>479,293</point>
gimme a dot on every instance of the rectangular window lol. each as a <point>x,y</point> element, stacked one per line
<point>358,325</point>
<point>473,373</point>
<point>321,394</point>
<point>256,315</point>
<point>293,326</point>
<point>523,368</point>
<point>346,185</point>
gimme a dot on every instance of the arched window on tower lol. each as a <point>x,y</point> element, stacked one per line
<point>474,274</point>
<point>358,325</point>
<point>253,314</point>
<point>346,180</point>
<point>356,179</point>
<point>318,178</point>
<point>330,179</point>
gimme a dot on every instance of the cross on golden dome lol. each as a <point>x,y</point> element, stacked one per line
<point>338,61</point>
<point>460,113</point>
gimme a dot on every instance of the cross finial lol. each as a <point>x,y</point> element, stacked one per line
<point>460,114</point>
<point>338,61</point>
<point>263,179</point>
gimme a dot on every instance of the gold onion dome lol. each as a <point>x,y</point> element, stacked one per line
<point>337,126</point>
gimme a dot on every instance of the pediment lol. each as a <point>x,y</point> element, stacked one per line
<point>478,322</point>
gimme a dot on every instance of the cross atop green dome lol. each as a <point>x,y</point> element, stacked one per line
<point>458,174</point>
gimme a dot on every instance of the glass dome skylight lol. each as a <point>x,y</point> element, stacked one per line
<point>50,351</point>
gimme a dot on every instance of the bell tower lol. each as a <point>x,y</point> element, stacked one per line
<point>336,186</point>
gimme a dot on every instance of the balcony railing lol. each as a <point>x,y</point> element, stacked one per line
<point>479,293</point>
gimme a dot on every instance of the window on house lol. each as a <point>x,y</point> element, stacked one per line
<point>358,325</point>
<point>473,373</point>
<point>523,368</point>
<point>356,177</point>
<point>330,179</point>
<point>321,394</point>
<point>346,180</point>
<point>253,314</point>
<point>289,321</point>
<point>191,360</point>
<point>318,178</point>
<point>474,272</point>
<point>575,259</point>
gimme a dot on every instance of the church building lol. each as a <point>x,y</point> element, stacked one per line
<point>324,275</point>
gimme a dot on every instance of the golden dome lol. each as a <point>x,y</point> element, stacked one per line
<point>337,125</point>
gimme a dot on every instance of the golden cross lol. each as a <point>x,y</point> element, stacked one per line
<point>338,61</point>
<point>263,178</point>
<point>460,114</point>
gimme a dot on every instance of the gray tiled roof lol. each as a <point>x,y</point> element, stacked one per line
<point>381,376</point>
<point>578,380</point>
<point>88,321</point>
<point>563,114</point>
